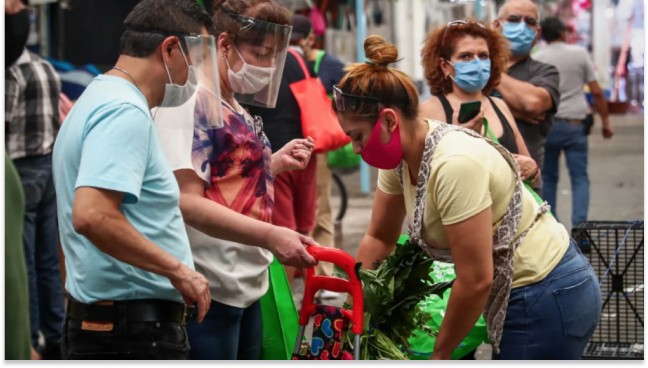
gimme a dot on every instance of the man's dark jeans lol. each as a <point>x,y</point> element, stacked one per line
<point>132,341</point>
<point>46,308</point>
<point>572,140</point>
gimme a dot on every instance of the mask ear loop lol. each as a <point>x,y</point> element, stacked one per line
<point>183,55</point>
<point>239,54</point>
<point>227,61</point>
<point>185,59</point>
<point>167,68</point>
<point>451,77</point>
<point>380,114</point>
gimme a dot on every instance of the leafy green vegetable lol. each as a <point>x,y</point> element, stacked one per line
<point>391,296</point>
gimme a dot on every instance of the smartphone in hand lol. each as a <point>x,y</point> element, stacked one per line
<point>468,111</point>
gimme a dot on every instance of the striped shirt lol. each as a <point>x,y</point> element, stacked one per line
<point>32,118</point>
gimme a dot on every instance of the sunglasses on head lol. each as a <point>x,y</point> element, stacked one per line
<point>345,101</point>
<point>458,23</point>
<point>514,18</point>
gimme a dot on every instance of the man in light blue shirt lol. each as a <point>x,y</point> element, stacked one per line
<point>128,261</point>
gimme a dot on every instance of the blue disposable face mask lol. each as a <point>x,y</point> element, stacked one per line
<point>472,76</point>
<point>520,37</point>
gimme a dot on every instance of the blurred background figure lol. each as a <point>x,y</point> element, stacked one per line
<point>329,69</point>
<point>32,122</point>
<point>570,128</point>
<point>16,30</point>
<point>629,70</point>
<point>18,345</point>
<point>530,88</point>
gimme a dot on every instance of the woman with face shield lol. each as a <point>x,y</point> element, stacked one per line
<point>465,203</point>
<point>227,191</point>
<point>463,62</point>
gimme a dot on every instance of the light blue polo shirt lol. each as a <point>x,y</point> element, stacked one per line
<point>109,141</point>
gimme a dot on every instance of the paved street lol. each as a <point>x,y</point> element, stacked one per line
<point>616,170</point>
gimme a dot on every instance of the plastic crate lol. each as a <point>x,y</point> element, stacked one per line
<point>616,252</point>
<point>613,351</point>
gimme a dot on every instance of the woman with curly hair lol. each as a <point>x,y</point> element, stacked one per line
<point>463,61</point>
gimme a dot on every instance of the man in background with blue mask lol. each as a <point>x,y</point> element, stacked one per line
<point>129,265</point>
<point>531,88</point>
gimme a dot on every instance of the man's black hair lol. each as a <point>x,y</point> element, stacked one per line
<point>151,21</point>
<point>552,28</point>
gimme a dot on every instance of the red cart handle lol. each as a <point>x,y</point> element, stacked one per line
<point>315,283</point>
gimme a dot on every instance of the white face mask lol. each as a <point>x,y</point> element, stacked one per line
<point>176,95</point>
<point>250,79</point>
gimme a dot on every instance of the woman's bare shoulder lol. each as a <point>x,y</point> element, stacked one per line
<point>499,102</point>
<point>432,109</point>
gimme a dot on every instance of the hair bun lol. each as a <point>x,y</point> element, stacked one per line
<point>379,51</point>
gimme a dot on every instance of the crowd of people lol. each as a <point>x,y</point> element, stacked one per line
<point>180,175</point>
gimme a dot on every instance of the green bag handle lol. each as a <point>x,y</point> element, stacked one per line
<point>318,60</point>
<point>487,130</point>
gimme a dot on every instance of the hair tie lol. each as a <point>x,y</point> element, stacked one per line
<point>368,61</point>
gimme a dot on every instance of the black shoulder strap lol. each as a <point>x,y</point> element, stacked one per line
<point>446,107</point>
<point>505,123</point>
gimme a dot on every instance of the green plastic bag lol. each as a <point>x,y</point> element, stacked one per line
<point>343,158</point>
<point>280,318</point>
<point>422,344</point>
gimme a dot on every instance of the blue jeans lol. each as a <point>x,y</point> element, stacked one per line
<point>46,305</point>
<point>556,317</point>
<point>571,139</point>
<point>227,333</point>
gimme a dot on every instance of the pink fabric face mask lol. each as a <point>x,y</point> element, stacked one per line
<point>383,156</point>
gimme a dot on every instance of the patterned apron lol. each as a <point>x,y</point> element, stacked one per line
<point>504,242</point>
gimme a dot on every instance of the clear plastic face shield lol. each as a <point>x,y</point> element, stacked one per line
<point>184,128</point>
<point>203,56</point>
<point>256,62</point>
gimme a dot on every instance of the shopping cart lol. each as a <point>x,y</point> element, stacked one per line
<point>330,323</point>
